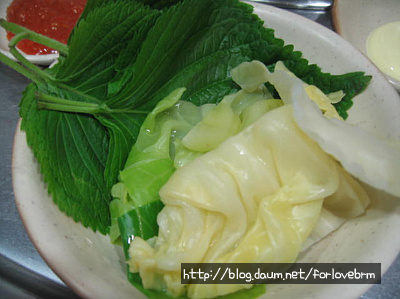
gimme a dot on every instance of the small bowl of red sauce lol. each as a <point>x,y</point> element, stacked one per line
<point>52,18</point>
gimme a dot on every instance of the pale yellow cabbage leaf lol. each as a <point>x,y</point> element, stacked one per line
<point>256,198</point>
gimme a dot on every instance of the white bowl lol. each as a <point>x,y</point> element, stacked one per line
<point>94,268</point>
<point>45,59</point>
<point>354,20</point>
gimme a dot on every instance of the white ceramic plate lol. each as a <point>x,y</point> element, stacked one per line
<point>94,268</point>
<point>354,20</point>
<point>45,59</point>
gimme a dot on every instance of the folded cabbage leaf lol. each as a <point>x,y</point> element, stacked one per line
<point>262,195</point>
<point>256,198</point>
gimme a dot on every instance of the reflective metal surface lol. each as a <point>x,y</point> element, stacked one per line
<point>299,4</point>
<point>23,273</point>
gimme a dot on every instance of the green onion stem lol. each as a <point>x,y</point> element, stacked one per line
<point>55,103</point>
<point>58,104</point>
<point>67,108</point>
<point>57,100</point>
<point>20,69</point>
<point>35,37</point>
<point>21,58</point>
<point>39,72</point>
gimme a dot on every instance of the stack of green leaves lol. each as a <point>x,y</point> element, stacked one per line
<point>82,116</point>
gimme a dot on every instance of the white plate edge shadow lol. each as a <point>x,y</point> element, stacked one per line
<point>64,252</point>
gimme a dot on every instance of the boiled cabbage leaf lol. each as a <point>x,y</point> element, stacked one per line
<point>260,196</point>
<point>256,198</point>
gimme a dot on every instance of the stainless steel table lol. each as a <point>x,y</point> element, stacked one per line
<point>23,273</point>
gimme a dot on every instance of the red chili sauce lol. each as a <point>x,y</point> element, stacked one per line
<point>53,18</point>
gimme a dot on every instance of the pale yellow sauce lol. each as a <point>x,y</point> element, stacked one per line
<point>383,48</point>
